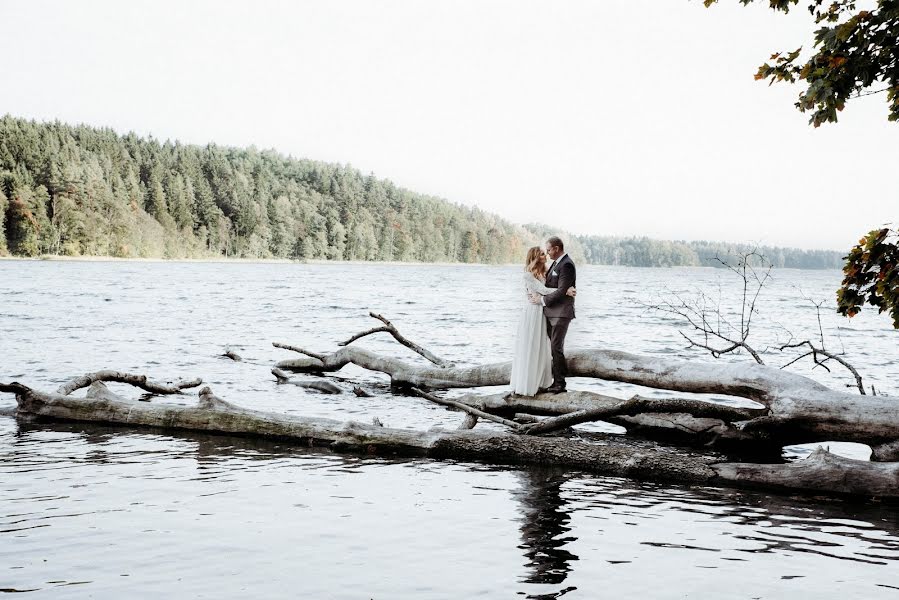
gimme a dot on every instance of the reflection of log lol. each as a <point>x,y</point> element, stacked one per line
<point>799,409</point>
<point>613,456</point>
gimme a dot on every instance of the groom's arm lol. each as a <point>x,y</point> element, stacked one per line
<point>566,280</point>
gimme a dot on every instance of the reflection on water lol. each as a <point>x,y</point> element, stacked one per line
<point>102,512</point>
<point>94,511</point>
<point>544,525</point>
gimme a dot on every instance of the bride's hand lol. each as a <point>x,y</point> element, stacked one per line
<point>572,291</point>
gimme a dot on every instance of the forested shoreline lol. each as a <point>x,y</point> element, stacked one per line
<point>85,191</point>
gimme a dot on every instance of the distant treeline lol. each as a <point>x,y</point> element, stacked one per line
<point>88,191</point>
<point>85,191</point>
<point>644,252</point>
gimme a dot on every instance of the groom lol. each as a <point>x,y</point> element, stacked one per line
<point>558,308</point>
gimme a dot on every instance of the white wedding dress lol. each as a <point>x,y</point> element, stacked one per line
<point>532,361</point>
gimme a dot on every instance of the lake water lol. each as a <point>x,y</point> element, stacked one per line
<point>96,512</point>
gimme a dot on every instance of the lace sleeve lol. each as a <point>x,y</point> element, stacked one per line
<point>535,285</point>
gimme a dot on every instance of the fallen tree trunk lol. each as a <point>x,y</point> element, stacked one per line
<point>213,414</point>
<point>821,471</point>
<point>612,457</point>
<point>799,409</point>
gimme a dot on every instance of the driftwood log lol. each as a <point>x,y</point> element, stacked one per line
<point>780,408</point>
<point>797,409</point>
<point>823,472</point>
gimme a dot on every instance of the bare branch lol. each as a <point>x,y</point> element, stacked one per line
<point>365,333</point>
<point>815,351</point>
<point>696,313</point>
<point>638,405</point>
<point>465,407</point>
<point>140,381</point>
<point>392,330</point>
<point>300,350</point>
<point>717,352</point>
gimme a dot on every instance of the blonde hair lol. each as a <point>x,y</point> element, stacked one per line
<point>535,263</point>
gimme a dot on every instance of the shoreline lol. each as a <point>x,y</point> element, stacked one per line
<point>222,259</point>
<point>320,261</point>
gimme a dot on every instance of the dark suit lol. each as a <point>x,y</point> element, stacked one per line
<point>558,308</point>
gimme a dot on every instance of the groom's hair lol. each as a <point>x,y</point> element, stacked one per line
<point>557,242</point>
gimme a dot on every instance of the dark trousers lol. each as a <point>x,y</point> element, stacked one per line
<point>557,328</point>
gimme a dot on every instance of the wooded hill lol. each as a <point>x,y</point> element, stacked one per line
<point>78,190</point>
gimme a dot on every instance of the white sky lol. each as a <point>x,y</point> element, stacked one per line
<point>609,117</point>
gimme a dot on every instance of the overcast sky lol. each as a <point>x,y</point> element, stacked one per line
<point>609,117</point>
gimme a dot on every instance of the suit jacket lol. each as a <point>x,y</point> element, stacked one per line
<point>562,275</point>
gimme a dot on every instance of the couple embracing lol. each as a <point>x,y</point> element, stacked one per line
<point>539,360</point>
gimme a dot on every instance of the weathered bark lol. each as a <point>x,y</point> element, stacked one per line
<point>402,374</point>
<point>616,456</point>
<point>822,471</point>
<point>885,452</point>
<point>469,421</point>
<point>799,409</point>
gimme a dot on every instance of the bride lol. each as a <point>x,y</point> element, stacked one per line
<point>532,362</point>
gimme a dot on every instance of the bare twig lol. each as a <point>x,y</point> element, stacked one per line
<point>464,407</point>
<point>712,324</point>
<point>815,351</point>
<point>390,328</point>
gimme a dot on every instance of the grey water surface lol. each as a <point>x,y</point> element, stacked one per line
<point>111,512</point>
